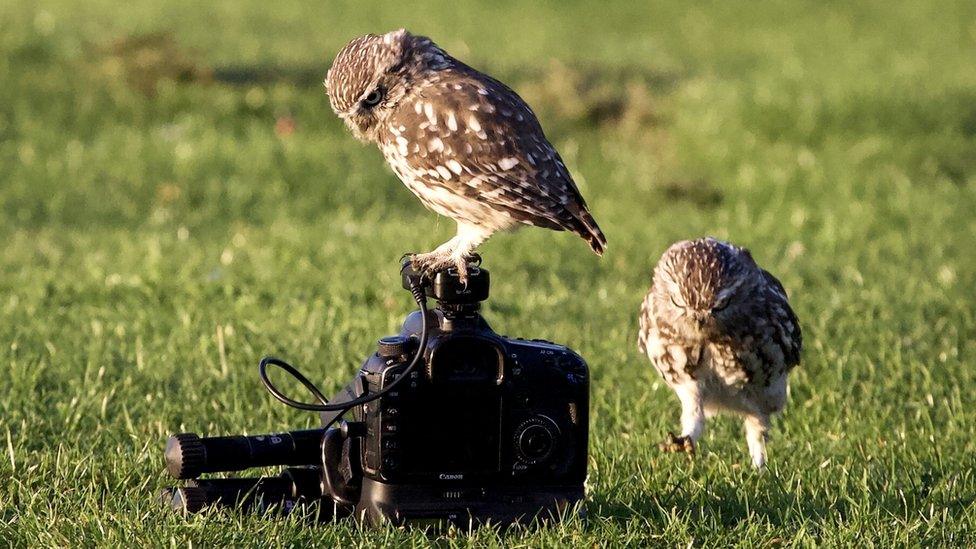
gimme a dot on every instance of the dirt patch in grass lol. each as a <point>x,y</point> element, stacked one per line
<point>145,60</point>
<point>597,96</point>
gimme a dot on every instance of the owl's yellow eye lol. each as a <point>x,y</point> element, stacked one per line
<point>373,98</point>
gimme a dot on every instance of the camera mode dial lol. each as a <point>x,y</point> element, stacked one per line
<point>393,346</point>
<point>535,439</point>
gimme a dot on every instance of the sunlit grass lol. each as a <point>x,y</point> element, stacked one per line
<point>155,192</point>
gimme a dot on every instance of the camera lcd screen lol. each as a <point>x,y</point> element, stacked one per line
<point>456,429</point>
<point>455,421</point>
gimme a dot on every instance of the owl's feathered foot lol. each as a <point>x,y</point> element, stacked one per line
<point>678,444</point>
<point>432,262</point>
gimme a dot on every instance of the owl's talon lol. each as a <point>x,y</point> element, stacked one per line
<point>434,262</point>
<point>461,266</point>
<point>678,444</point>
<point>423,263</point>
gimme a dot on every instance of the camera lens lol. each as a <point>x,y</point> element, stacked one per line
<point>535,439</point>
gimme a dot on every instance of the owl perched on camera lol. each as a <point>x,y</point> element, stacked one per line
<point>464,143</point>
<point>719,330</point>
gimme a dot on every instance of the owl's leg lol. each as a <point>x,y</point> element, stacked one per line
<point>757,428</point>
<point>456,252</point>
<point>468,238</point>
<point>692,420</point>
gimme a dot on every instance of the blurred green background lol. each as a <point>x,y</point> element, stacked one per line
<point>177,199</point>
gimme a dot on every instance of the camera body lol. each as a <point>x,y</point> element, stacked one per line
<point>446,421</point>
<point>489,428</point>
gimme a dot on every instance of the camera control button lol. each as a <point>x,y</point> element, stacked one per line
<point>536,439</point>
<point>570,362</point>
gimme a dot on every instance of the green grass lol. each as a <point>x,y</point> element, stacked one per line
<point>149,211</point>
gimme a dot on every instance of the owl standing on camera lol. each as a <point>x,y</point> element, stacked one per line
<point>464,143</point>
<point>720,331</point>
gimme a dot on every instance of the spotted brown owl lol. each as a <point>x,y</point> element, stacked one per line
<point>719,330</point>
<point>467,145</point>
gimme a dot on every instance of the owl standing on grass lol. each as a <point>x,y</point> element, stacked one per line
<point>719,330</point>
<point>464,143</point>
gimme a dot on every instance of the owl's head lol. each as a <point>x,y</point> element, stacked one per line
<point>373,72</point>
<point>701,285</point>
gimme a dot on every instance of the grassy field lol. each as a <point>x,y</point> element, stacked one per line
<point>177,199</point>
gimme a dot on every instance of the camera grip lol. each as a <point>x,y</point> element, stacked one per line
<point>343,491</point>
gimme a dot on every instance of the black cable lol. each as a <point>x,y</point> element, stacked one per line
<point>270,360</point>
<point>419,296</point>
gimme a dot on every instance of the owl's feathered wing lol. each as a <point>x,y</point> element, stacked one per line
<point>787,336</point>
<point>655,341</point>
<point>465,134</point>
<point>645,322</point>
<point>766,343</point>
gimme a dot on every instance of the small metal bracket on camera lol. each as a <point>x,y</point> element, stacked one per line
<point>446,286</point>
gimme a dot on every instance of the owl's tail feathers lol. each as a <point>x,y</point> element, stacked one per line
<point>590,231</point>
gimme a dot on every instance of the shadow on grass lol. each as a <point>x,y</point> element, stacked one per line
<point>726,503</point>
<point>588,93</point>
<point>718,503</point>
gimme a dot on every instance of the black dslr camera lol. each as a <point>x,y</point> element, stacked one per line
<point>446,421</point>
